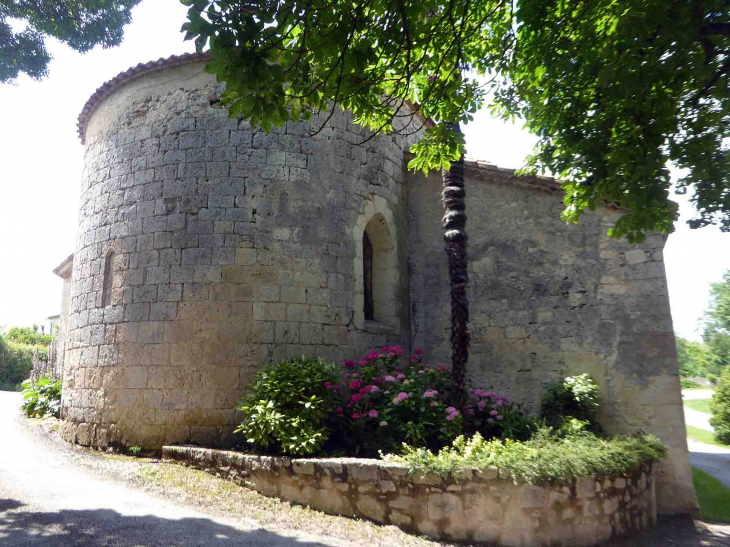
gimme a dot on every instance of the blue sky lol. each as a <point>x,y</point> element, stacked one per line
<point>41,160</point>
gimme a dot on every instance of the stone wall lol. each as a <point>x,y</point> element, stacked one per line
<point>482,506</point>
<point>64,271</point>
<point>207,248</point>
<point>550,299</point>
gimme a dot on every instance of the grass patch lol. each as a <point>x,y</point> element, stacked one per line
<point>713,496</point>
<point>703,436</point>
<point>700,405</point>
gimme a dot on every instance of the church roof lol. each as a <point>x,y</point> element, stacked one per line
<point>142,69</point>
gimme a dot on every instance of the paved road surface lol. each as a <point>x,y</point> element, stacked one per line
<point>711,459</point>
<point>46,500</point>
<point>697,393</point>
<point>696,418</point>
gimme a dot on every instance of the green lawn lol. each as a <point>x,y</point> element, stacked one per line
<point>701,405</point>
<point>703,436</point>
<point>713,496</point>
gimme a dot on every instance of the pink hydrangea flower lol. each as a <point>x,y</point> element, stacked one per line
<point>349,363</point>
<point>390,378</point>
<point>418,351</point>
<point>355,385</point>
<point>355,398</point>
<point>362,363</point>
<point>482,404</point>
<point>450,409</point>
<point>430,393</point>
<point>391,354</point>
<point>401,376</point>
<point>493,412</point>
<point>327,385</point>
<point>373,413</point>
<point>490,420</point>
<point>374,389</point>
<point>453,415</point>
<point>500,418</point>
<point>356,415</point>
<point>403,395</point>
<point>434,403</point>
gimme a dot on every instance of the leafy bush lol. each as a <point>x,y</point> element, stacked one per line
<point>689,384</point>
<point>720,408</point>
<point>42,397</point>
<point>16,362</point>
<point>28,337</point>
<point>571,397</point>
<point>287,409</point>
<point>712,378</point>
<point>494,416</point>
<point>386,399</point>
<point>548,457</point>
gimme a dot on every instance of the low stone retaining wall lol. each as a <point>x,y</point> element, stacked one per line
<point>483,506</point>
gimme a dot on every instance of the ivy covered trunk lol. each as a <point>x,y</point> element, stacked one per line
<point>454,223</point>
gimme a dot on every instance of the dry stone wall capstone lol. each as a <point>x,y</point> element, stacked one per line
<point>475,505</point>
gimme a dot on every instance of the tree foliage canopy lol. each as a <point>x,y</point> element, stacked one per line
<point>615,90</point>
<point>82,24</point>
<point>713,353</point>
<point>283,60</point>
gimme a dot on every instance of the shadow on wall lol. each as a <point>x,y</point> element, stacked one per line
<point>105,527</point>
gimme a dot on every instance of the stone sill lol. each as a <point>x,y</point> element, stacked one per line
<point>475,505</point>
<point>373,327</point>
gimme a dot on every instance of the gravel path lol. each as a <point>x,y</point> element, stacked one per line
<point>47,499</point>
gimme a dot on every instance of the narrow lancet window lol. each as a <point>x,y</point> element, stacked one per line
<point>367,268</point>
<point>108,279</point>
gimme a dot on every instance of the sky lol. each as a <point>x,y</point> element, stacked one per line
<point>41,163</point>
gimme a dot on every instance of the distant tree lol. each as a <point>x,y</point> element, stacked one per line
<point>695,358</point>
<point>28,336</point>
<point>717,322</point>
<point>82,24</point>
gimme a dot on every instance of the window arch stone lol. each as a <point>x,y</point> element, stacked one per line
<point>376,222</point>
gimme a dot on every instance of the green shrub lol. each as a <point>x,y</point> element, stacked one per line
<point>712,378</point>
<point>387,398</point>
<point>42,397</point>
<point>287,409</point>
<point>689,384</point>
<point>720,408</point>
<point>571,397</point>
<point>16,362</point>
<point>28,337</point>
<point>548,457</point>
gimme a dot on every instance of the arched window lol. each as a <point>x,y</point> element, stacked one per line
<point>376,299</point>
<point>367,270</point>
<point>108,278</point>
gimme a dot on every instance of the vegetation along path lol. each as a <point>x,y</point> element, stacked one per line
<point>54,494</point>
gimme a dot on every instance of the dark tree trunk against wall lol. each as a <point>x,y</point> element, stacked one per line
<point>454,223</point>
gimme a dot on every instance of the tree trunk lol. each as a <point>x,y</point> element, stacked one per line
<point>454,223</point>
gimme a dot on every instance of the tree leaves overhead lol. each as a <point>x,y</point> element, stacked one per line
<point>82,24</point>
<point>287,59</point>
<point>616,90</point>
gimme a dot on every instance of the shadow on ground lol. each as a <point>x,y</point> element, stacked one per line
<point>20,527</point>
<point>680,532</point>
